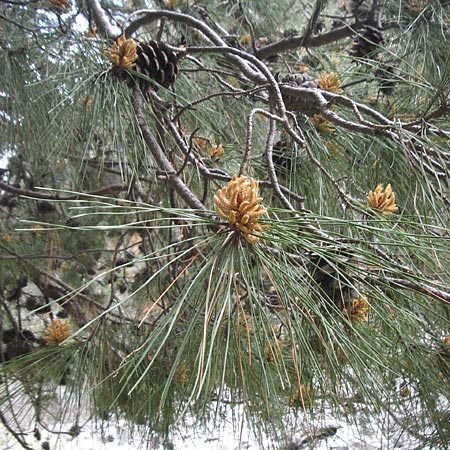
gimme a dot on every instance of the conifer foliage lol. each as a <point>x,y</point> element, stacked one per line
<point>209,205</point>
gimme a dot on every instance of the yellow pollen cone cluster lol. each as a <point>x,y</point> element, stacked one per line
<point>216,151</point>
<point>56,332</point>
<point>239,204</point>
<point>272,351</point>
<point>123,53</point>
<point>201,143</point>
<point>382,200</point>
<point>327,82</point>
<point>182,373</point>
<point>322,125</point>
<point>330,82</point>
<point>446,341</point>
<point>359,310</point>
<point>62,5</point>
<point>245,40</point>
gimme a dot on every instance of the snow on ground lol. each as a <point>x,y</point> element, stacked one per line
<point>329,434</point>
<point>112,438</point>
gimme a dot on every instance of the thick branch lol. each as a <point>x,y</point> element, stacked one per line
<point>270,166</point>
<point>100,17</point>
<point>161,159</point>
<point>293,42</point>
<point>427,290</point>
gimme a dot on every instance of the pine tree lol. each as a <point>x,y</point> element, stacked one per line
<point>218,203</point>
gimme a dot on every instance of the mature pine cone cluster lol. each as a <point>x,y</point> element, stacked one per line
<point>295,102</point>
<point>333,280</point>
<point>367,42</point>
<point>385,75</point>
<point>154,60</point>
<point>300,79</point>
<point>357,8</point>
<point>16,343</point>
<point>367,45</point>
<point>158,62</point>
<point>282,157</point>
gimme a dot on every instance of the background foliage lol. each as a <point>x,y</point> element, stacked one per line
<point>156,307</point>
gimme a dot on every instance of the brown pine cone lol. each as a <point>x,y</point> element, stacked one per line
<point>156,61</point>
<point>367,43</point>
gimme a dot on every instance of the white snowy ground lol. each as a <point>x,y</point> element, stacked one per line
<point>364,434</point>
<point>113,439</point>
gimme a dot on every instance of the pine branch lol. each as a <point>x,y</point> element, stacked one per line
<point>216,174</point>
<point>151,16</point>
<point>294,42</point>
<point>101,19</point>
<point>161,159</point>
<point>17,24</point>
<point>16,435</point>
<point>319,6</point>
<point>107,190</point>
<point>430,291</point>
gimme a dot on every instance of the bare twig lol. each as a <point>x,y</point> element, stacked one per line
<point>248,143</point>
<point>19,25</point>
<point>320,4</point>
<point>13,432</point>
<point>270,166</point>
<point>236,93</point>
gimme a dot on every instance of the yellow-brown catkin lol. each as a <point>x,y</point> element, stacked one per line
<point>239,204</point>
<point>359,310</point>
<point>404,392</point>
<point>321,124</point>
<point>182,373</point>
<point>57,332</point>
<point>171,4</point>
<point>62,5</point>
<point>201,143</point>
<point>216,151</point>
<point>301,397</point>
<point>245,40</point>
<point>123,52</point>
<point>87,102</point>
<point>330,82</point>
<point>382,200</point>
<point>446,342</point>
<point>272,351</point>
<point>91,33</point>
